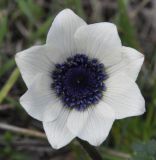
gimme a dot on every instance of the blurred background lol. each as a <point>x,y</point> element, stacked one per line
<point>24,23</point>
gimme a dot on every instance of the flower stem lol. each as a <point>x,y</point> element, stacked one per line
<point>92,151</point>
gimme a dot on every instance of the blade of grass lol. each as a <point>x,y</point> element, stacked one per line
<point>36,10</point>
<point>79,8</point>
<point>12,101</point>
<point>79,152</point>
<point>76,6</point>
<point>42,30</point>
<point>24,7</point>
<point>128,33</point>
<point>3,27</point>
<point>9,84</point>
<point>6,67</point>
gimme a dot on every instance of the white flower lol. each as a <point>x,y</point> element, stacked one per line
<point>81,80</point>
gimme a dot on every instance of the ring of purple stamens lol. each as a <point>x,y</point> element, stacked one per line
<point>79,82</point>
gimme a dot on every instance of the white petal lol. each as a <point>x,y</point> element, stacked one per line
<point>38,96</point>
<point>52,110</point>
<point>131,62</point>
<point>98,124</point>
<point>77,120</point>
<point>33,61</point>
<point>57,132</point>
<point>124,96</point>
<point>100,40</point>
<point>62,31</point>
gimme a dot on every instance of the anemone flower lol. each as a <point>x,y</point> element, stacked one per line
<point>80,81</point>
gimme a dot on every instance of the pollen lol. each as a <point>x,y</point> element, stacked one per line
<point>79,82</point>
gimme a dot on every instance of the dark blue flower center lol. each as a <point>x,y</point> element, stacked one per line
<point>79,82</point>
